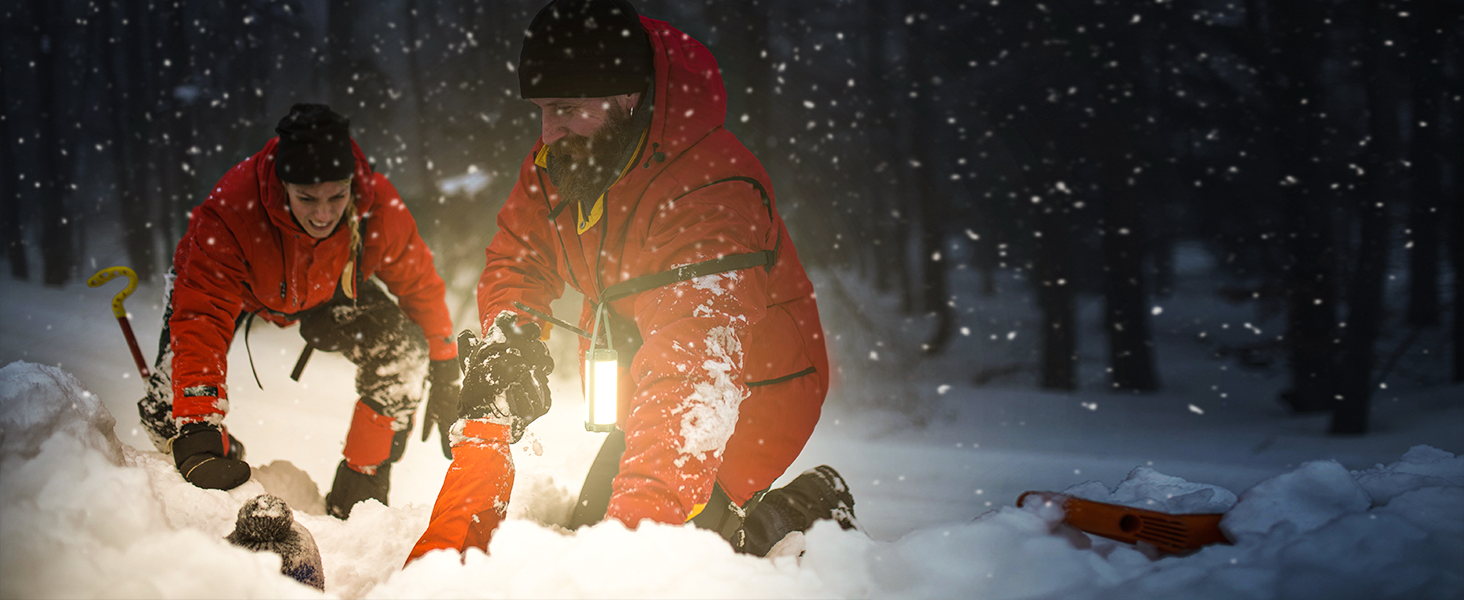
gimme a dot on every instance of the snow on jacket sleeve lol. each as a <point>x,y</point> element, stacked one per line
<point>207,300</point>
<point>522,258</point>
<point>688,374</point>
<point>407,269</point>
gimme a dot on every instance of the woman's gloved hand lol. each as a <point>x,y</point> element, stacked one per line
<point>442,401</point>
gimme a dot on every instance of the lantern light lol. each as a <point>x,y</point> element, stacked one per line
<point>602,369</point>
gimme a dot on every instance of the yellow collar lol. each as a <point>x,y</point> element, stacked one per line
<point>583,223</point>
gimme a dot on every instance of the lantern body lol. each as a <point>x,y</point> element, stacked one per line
<point>602,369</point>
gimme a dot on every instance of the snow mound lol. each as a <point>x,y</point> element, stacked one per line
<point>79,521</point>
<point>1315,532</point>
<point>1151,490</point>
<point>38,402</point>
<point>84,516</point>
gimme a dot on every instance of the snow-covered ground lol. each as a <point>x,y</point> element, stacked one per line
<point>935,463</point>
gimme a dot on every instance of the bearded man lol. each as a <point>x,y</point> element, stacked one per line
<point>636,196</point>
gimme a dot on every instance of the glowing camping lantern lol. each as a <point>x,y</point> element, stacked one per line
<point>602,369</point>
<point>601,384</point>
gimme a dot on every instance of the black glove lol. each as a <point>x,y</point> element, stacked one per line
<point>203,458</point>
<point>506,376</point>
<point>442,401</point>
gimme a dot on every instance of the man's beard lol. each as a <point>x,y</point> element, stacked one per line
<point>582,167</point>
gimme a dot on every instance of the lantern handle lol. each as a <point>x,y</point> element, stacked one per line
<point>595,330</point>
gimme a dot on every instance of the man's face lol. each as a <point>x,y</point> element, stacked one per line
<point>578,117</point>
<point>585,137</point>
<point>318,207</point>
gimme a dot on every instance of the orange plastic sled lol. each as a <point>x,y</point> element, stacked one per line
<point>1170,534</point>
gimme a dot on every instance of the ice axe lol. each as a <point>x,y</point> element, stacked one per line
<point>109,274</point>
<point>1170,534</point>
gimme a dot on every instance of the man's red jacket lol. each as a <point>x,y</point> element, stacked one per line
<point>693,193</point>
<point>244,253</point>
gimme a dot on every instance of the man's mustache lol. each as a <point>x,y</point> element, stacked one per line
<point>573,146</point>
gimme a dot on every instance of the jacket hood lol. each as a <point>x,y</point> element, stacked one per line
<point>690,97</point>
<point>276,202</point>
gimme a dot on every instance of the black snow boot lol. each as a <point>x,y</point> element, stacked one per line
<point>818,493</point>
<point>265,524</point>
<point>351,487</point>
<point>202,459</point>
<point>236,448</point>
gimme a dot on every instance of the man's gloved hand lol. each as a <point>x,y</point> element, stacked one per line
<point>506,375</point>
<point>442,401</point>
<point>206,460</point>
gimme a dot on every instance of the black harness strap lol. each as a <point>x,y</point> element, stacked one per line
<point>808,371</point>
<point>248,323</point>
<point>731,262</point>
<point>554,213</point>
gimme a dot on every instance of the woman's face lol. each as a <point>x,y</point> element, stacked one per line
<point>318,207</point>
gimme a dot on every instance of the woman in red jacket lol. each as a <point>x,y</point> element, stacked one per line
<point>637,197</point>
<point>294,234</point>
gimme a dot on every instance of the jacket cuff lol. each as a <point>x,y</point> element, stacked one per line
<point>193,404</point>
<point>479,431</point>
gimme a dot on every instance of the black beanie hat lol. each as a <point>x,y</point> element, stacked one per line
<point>315,146</point>
<point>584,49</point>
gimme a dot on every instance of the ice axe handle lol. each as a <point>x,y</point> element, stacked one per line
<point>300,363</point>
<point>108,274</point>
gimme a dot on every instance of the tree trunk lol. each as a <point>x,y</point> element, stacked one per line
<point>58,248</point>
<point>1161,234</point>
<point>742,50</point>
<point>340,33</point>
<point>1364,319</point>
<point>1427,158</point>
<point>888,226</point>
<point>140,93</point>
<point>934,290</point>
<point>424,188</point>
<point>1052,275</point>
<point>14,234</point>
<point>137,232</point>
<point>175,118</point>
<point>1457,247</point>
<point>1383,159</point>
<point>1117,139</point>
<point>1293,46</point>
<point>1454,157</point>
<point>1126,315</point>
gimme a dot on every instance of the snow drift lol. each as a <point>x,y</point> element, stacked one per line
<point>82,514</point>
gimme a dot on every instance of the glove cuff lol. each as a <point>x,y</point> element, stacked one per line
<point>198,438</point>
<point>444,371</point>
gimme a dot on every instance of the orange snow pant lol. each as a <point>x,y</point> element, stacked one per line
<point>474,496</point>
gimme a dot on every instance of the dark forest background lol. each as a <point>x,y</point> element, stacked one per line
<point>1311,147</point>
